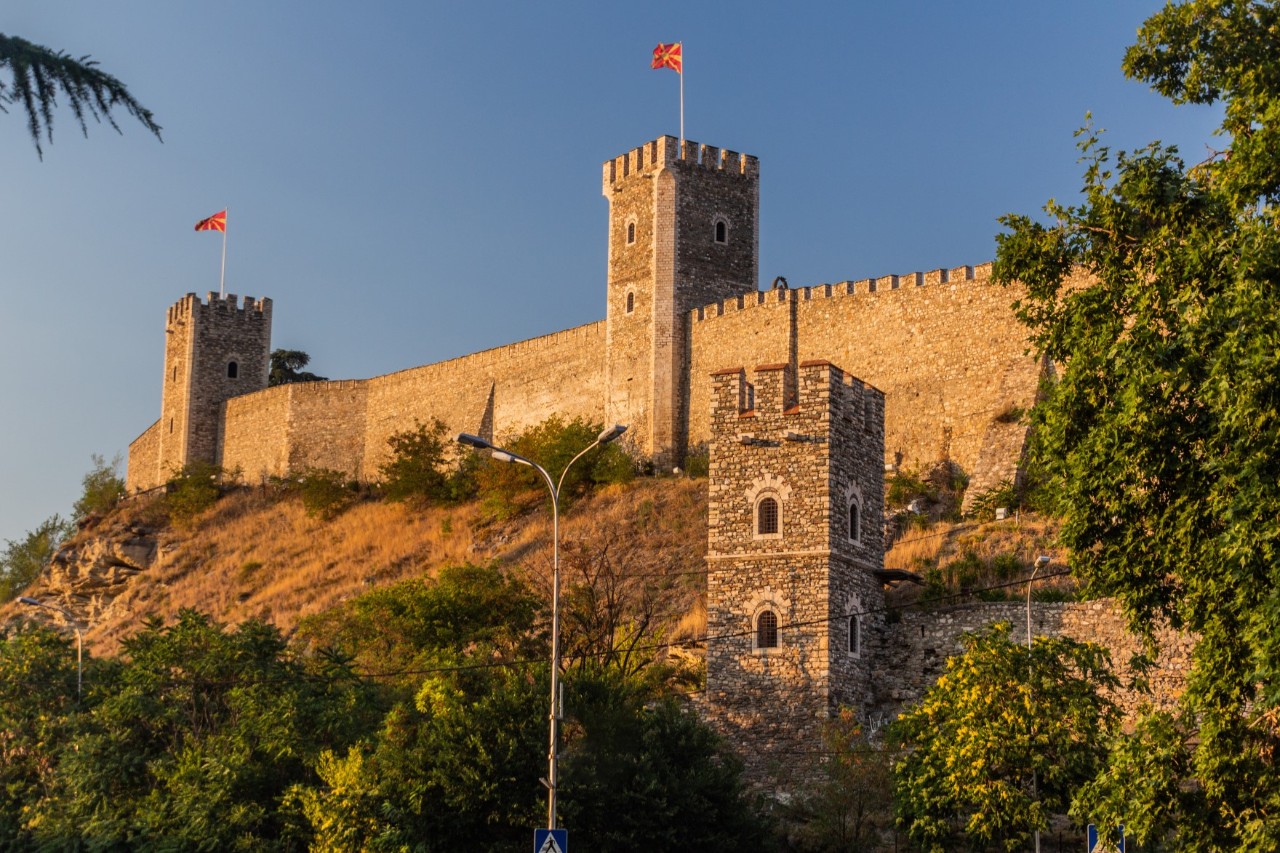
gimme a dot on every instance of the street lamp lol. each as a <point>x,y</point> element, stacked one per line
<point>501,455</point>
<point>79,638</point>
<point>1041,562</point>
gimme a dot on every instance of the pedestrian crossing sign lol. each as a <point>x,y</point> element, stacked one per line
<point>551,841</point>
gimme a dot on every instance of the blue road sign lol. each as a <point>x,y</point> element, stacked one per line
<point>1105,845</point>
<point>551,841</point>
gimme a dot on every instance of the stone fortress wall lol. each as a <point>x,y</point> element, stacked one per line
<point>682,303</point>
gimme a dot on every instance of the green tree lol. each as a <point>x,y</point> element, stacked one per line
<point>1156,292</point>
<point>37,719</point>
<point>36,76</point>
<point>1002,740</point>
<point>417,472</point>
<point>286,367</point>
<point>643,772</point>
<point>507,489</point>
<point>850,802</point>
<point>195,740</point>
<point>22,561</point>
<point>103,487</point>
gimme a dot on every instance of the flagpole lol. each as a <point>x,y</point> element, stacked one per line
<point>222,279</point>
<point>681,99</point>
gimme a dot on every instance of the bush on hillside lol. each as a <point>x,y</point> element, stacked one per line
<point>418,472</point>
<point>192,490</point>
<point>507,488</point>
<point>103,488</point>
<point>325,492</point>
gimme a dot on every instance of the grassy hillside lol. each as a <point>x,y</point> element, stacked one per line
<point>255,554</point>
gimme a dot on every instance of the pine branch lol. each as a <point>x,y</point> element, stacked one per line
<point>38,74</point>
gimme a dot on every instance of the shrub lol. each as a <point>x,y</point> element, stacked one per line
<point>325,492</point>
<point>416,473</point>
<point>697,463</point>
<point>192,490</point>
<point>103,488</point>
<point>507,488</point>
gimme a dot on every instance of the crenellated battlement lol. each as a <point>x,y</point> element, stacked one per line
<point>665,151</point>
<point>189,305</point>
<point>980,274</point>
<point>816,388</point>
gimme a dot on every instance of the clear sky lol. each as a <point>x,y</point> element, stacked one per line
<point>412,181</point>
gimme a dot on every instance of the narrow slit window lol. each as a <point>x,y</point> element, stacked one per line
<point>855,634</point>
<point>631,232</point>
<point>722,231</point>
<point>855,522</point>
<point>233,370</point>
<point>767,630</point>
<point>631,302</point>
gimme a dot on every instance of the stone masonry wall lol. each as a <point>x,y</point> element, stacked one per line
<point>143,468</point>
<point>812,443</point>
<point>912,652</point>
<point>944,346</point>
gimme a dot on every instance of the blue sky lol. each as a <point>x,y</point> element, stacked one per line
<point>414,181</point>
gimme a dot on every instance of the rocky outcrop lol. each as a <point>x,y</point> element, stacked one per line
<point>94,567</point>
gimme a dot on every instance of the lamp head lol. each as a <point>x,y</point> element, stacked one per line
<point>473,441</point>
<point>503,456</point>
<point>25,600</point>
<point>610,434</point>
<point>1042,561</point>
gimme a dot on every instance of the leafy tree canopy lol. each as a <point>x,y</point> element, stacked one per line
<point>37,75</point>
<point>22,561</point>
<point>1001,741</point>
<point>286,367</point>
<point>103,488</point>
<point>1157,294</point>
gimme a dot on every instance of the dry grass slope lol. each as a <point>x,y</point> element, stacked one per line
<point>253,556</point>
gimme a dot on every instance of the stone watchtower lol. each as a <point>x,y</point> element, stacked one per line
<point>213,351</point>
<point>683,233</point>
<point>795,538</point>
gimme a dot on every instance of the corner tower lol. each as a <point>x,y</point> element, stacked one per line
<point>683,232</point>
<point>795,539</point>
<point>214,350</point>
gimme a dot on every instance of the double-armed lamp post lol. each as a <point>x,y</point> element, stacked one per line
<point>554,487</point>
<point>75,626</point>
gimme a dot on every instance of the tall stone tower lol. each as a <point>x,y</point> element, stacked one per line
<point>214,350</point>
<point>683,232</point>
<point>795,538</point>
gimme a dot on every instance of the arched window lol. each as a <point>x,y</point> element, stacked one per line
<point>721,231</point>
<point>855,521</point>
<point>767,517</point>
<point>631,302</point>
<point>631,232</point>
<point>767,630</point>
<point>233,370</point>
<point>855,634</point>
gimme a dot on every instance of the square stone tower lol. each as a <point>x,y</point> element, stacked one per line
<point>683,232</point>
<point>795,532</point>
<point>214,350</point>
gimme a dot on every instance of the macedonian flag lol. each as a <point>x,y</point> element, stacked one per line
<point>668,56</point>
<point>217,222</point>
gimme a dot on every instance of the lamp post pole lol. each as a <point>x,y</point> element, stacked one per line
<point>608,435</point>
<point>75,626</point>
<point>1040,563</point>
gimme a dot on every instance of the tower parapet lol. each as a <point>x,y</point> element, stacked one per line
<point>683,232</point>
<point>214,350</point>
<point>795,500</point>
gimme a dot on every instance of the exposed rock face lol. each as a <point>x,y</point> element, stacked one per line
<point>87,573</point>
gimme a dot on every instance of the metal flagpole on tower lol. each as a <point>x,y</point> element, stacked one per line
<point>681,99</point>
<point>222,279</point>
